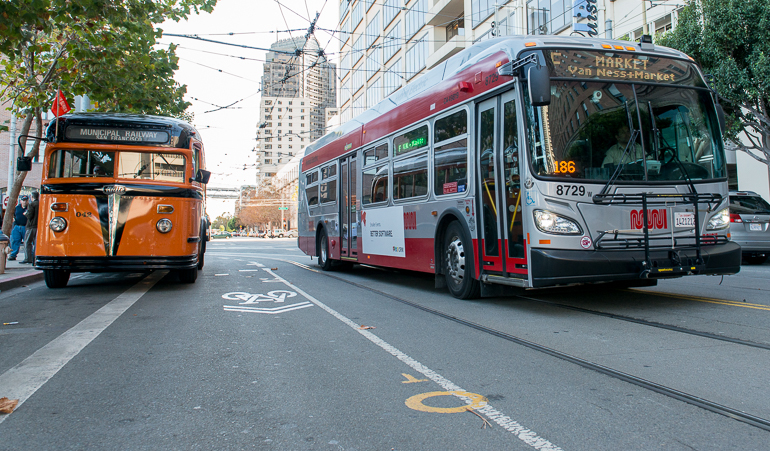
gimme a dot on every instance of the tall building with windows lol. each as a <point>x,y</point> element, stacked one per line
<point>385,44</point>
<point>283,131</point>
<point>299,94</point>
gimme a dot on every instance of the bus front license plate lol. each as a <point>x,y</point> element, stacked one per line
<point>682,220</point>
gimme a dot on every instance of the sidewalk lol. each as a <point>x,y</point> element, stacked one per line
<point>17,274</point>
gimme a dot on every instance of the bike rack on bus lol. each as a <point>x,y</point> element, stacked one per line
<point>630,239</point>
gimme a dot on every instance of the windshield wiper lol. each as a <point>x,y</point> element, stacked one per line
<point>619,168</point>
<point>655,132</point>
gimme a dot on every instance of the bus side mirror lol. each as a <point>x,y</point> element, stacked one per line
<point>202,176</point>
<point>721,118</point>
<point>539,82</point>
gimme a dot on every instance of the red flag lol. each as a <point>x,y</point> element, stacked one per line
<point>60,105</point>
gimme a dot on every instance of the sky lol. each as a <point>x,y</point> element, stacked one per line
<point>218,75</point>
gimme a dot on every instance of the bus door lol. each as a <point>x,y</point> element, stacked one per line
<point>348,213</point>
<point>502,238</point>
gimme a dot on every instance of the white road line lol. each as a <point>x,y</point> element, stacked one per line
<point>526,435</point>
<point>23,380</point>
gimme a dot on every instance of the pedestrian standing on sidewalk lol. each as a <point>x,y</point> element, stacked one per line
<point>30,236</point>
<point>19,224</point>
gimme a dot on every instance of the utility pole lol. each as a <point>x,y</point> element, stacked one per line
<point>645,27</point>
<point>11,153</point>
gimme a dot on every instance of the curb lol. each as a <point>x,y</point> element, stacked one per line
<point>18,280</point>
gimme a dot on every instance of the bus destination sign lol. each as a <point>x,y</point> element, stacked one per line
<point>617,66</point>
<point>89,133</point>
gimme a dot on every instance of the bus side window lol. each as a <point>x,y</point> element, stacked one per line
<point>311,188</point>
<point>450,161</point>
<point>196,158</point>
<point>375,183</point>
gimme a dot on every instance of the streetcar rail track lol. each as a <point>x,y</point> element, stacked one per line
<point>644,322</point>
<point>688,398</point>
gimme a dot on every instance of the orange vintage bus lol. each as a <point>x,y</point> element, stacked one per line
<point>121,192</point>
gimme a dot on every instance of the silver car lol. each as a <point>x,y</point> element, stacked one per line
<point>750,225</point>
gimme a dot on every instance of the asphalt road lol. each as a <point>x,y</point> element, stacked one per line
<point>265,351</point>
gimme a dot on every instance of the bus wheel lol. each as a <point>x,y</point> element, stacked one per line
<point>56,278</point>
<point>457,267</point>
<point>323,252</point>
<point>188,275</point>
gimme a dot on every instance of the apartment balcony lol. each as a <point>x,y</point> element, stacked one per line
<point>447,49</point>
<point>444,11</point>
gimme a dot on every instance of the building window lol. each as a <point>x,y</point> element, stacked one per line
<point>390,9</point>
<point>393,77</point>
<point>416,56</point>
<point>357,16</point>
<point>392,42</point>
<point>373,30</point>
<point>455,28</point>
<point>374,93</point>
<point>415,17</point>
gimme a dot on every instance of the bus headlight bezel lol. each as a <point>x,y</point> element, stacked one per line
<point>164,225</point>
<point>719,221</point>
<point>556,224</point>
<point>57,224</point>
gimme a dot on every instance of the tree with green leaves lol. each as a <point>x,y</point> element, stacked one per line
<point>102,48</point>
<point>730,39</point>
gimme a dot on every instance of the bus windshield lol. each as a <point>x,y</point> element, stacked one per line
<point>620,122</point>
<point>166,167</point>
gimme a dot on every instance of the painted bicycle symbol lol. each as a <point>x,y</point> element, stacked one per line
<point>276,296</point>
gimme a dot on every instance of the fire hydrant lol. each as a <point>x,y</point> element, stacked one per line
<point>4,247</point>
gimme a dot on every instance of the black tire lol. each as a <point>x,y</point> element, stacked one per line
<point>56,278</point>
<point>323,252</point>
<point>755,259</point>
<point>201,256</point>
<point>457,263</point>
<point>188,275</point>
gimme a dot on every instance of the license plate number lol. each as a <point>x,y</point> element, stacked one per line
<point>755,227</point>
<point>682,220</point>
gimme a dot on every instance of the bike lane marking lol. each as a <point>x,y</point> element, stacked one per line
<point>24,379</point>
<point>514,427</point>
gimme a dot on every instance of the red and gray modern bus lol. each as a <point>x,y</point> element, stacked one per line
<point>529,161</point>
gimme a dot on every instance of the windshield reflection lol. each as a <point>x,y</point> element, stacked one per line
<point>592,130</point>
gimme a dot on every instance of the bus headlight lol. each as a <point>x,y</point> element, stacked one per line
<point>58,224</point>
<point>164,225</point>
<point>549,222</point>
<point>719,221</point>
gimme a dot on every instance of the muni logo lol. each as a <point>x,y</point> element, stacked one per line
<point>656,219</point>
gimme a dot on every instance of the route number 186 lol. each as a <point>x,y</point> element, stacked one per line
<point>564,167</point>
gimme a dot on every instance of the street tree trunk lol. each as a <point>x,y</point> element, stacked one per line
<point>18,179</point>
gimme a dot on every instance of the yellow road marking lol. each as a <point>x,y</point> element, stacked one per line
<point>411,379</point>
<point>709,300</point>
<point>415,402</point>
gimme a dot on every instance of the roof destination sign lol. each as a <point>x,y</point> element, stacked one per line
<point>619,66</point>
<point>91,133</point>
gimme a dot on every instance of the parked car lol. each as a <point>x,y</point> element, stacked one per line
<point>292,233</point>
<point>221,234</point>
<point>261,234</point>
<point>278,233</point>
<point>750,225</point>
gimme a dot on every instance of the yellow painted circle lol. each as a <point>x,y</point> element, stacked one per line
<point>415,402</point>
